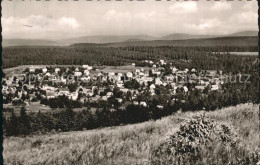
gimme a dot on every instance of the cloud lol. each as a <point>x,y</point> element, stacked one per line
<point>250,5</point>
<point>116,15</point>
<point>206,25</point>
<point>128,19</point>
<point>246,17</point>
<point>37,25</point>
<point>183,8</point>
<point>220,6</point>
<point>69,22</point>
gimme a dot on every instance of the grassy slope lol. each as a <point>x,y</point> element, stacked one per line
<point>128,144</point>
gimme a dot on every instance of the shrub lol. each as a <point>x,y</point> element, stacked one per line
<point>203,141</point>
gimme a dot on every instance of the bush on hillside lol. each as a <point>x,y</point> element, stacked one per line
<point>203,141</point>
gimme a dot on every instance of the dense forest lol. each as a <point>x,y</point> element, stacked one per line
<point>198,57</point>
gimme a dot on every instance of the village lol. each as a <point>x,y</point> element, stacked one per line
<point>88,84</point>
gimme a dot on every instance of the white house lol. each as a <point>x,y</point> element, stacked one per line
<point>200,87</point>
<point>169,78</point>
<point>160,106</point>
<point>85,66</point>
<point>78,74</point>
<point>214,87</point>
<point>129,75</point>
<point>152,87</point>
<point>158,81</point>
<point>32,70</point>
<point>109,94</point>
<point>193,70</point>
<point>162,62</point>
<point>142,103</point>
<point>174,70</point>
<point>44,70</point>
<point>119,100</point>
<point>135,102</point>
<point>86,72</point>
<point>185,89</point>
<point>57,70</point>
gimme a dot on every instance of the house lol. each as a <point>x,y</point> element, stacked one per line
<point>111,74</point>
<point>193,70</point>
<point>174,70</point>
<point>46,87</point>
<point>74,96</point>
<point>158,81</point>
<point>152,87</point>
<point>160,106</point>
<point>109,94</point>
<point>180,73</point>
<point>104,98</point>
<point>169,78</point>
<point>90,68</point>
<point>214,87</point>
<point>162,62</point>
<point>119,85</point>
<point>119,100</point>
<point>135,102</point>
<point>44,70</point>
<point>156,71</point>
<point>87,67</point>
<point>211,73</point>
<point>185,89</point>
<point>63,91</point>
<point>50,97</point>
<point>57,70</point>
<point>85,79</point>
<point>77,74</point>
<point>124,90</point>
<point>120,77</point>
<point>146,74</point>
<point>129,75</point>
<point>137,71</point>
<point>142,103</point>
<point>200,87</point>
<point>32,70</point>
<point>146,79</point>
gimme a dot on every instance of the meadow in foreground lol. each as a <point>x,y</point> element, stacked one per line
<point>131,144</point>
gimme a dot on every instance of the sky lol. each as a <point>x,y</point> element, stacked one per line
<point>59,20</point>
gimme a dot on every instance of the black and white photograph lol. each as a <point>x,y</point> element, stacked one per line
<point>98,82</point>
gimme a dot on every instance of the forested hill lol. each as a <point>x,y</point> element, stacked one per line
<point>222,41</point>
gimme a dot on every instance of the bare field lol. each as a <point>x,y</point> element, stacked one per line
<point>130,144</point>
<point>122,69</point>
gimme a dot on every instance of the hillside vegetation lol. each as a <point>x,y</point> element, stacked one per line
<point>135,144</point>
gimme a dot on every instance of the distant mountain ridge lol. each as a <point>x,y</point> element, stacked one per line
<point>108,39</point>
<point>245,33</point>
<point>27,42</point>
<point>182,36</point>
<point>101,39</point>
<point>218,41</point>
